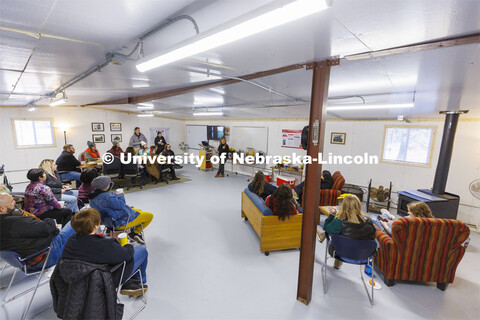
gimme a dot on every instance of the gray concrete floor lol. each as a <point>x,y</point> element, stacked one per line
<point>205,263</point>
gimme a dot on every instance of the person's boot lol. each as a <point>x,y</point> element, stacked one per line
<point>337,264</point>
<point>321,235</point>
<point>174,177</point>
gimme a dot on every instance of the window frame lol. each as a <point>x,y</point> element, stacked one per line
<point>33,146</point>
<point>432,144</point>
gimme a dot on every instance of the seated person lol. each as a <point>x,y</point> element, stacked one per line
<point>114,206</point>
<point>169,154</point>
<point>87,177</point>
<point>26,235</point>
<point>326,183</point>
<point>260,186</point>
<point>143,150</point>
<point>67,163</point>
<point>61,192</point>
<point>116,150</point>
<point>87,246</point>
<point>91,153</point>
<point>350,223</point>
<point>416,209</point>
<point>40,200</point>
<point>281,202</point>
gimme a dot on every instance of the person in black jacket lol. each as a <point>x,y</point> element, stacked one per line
<point>61,191</point>
<point>349,222</point>
<point>223,148</point>
<point>260,186</point>
<point>26,235</point>
<point>326,183</point>
<point>160,142</point>
<point>168,153</point>
<point>67,163</point>
<point>82,290</point>
<point>87,246</point>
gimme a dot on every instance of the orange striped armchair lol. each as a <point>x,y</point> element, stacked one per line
<point>421,249</point>
<point>328,197</point>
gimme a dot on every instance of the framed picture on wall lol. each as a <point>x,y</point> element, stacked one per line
<point>98,126</point>
<point>115,127</point>
<point>338,138</point>
<point>98,138</point>
<point>116,137</point>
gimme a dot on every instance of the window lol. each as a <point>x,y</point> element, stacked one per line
<point>408,145</point>
<point>33,133</point>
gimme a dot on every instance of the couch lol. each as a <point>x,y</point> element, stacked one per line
<point>328,197</point>
<point>273,233</point>
<point>421,249</point>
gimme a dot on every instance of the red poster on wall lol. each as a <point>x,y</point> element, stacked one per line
<point>291,138</point>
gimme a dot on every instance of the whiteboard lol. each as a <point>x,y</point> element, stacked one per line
<point>243,137</point>
<point>195,135</point>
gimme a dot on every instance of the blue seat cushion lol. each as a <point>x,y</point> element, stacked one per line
<point>258,202</point>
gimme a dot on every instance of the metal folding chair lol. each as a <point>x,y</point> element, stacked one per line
<point>143,297</point>
<point>109,223</point>
<point>351,251</point>
<point>19,263</point>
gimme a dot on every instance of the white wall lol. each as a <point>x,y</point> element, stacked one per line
<point>79,120</point>
<point>367,136</point>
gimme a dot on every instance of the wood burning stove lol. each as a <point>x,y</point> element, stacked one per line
<point>443,204</point>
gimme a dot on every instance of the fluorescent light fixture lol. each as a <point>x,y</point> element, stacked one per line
<point>208,100</point>
<point>144,115</point>
<point>371,106</point>
<point>32,109</point>
<point>60,101</point>
<point>161,112</point>
<point>144,108</point>
<point>219,90</point>
<point>208,113</point>
<point>287,13</point>
<point>145,104</point>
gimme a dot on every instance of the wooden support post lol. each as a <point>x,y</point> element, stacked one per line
<point>316,134</point>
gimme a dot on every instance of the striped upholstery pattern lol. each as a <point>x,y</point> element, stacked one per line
<point>422,249</point>
<point>328,197</point>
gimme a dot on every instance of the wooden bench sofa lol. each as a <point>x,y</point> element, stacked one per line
<point>273,233</point>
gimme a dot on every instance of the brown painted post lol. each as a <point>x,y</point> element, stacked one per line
<point>321,77</point>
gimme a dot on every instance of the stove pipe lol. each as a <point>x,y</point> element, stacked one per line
<point>449,129</point>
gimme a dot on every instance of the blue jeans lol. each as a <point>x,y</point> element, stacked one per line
<point>374,218</point>
<point>70,198</point>
<point>72,175</point>
<point>140,260</point>
<point>57,244</point>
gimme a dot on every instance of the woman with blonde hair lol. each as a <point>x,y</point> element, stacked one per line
<point>60,191</point>
<point>349,222</point>
<point>260,186</point>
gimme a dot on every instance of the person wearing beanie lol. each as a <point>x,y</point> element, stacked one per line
<point>136,138</point>
<point>116,150</point>
<point>113,205</point>
<point>143,151</point>
<point>91,153</point>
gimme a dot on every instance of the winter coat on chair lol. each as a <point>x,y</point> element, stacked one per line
<point>82,290</point>
<point>113,206</point>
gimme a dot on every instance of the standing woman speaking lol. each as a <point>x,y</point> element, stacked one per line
<point>222,148</point>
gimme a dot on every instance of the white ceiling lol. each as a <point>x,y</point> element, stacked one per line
<point>77,34</point>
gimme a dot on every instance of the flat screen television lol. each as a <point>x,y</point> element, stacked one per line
<point>215,132</point>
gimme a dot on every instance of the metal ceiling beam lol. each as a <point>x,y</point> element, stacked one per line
<point>420,46</point>
<point>189,89</point>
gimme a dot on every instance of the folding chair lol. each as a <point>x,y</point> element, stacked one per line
<point>109,223</point>
<point>19,263</point>
<point>143,297</point>
<point>351,251</point>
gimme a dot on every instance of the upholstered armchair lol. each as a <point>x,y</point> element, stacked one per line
<point>421,249</point>
<point>328,197</point>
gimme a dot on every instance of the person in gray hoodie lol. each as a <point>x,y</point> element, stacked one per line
<point>137,138</point>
